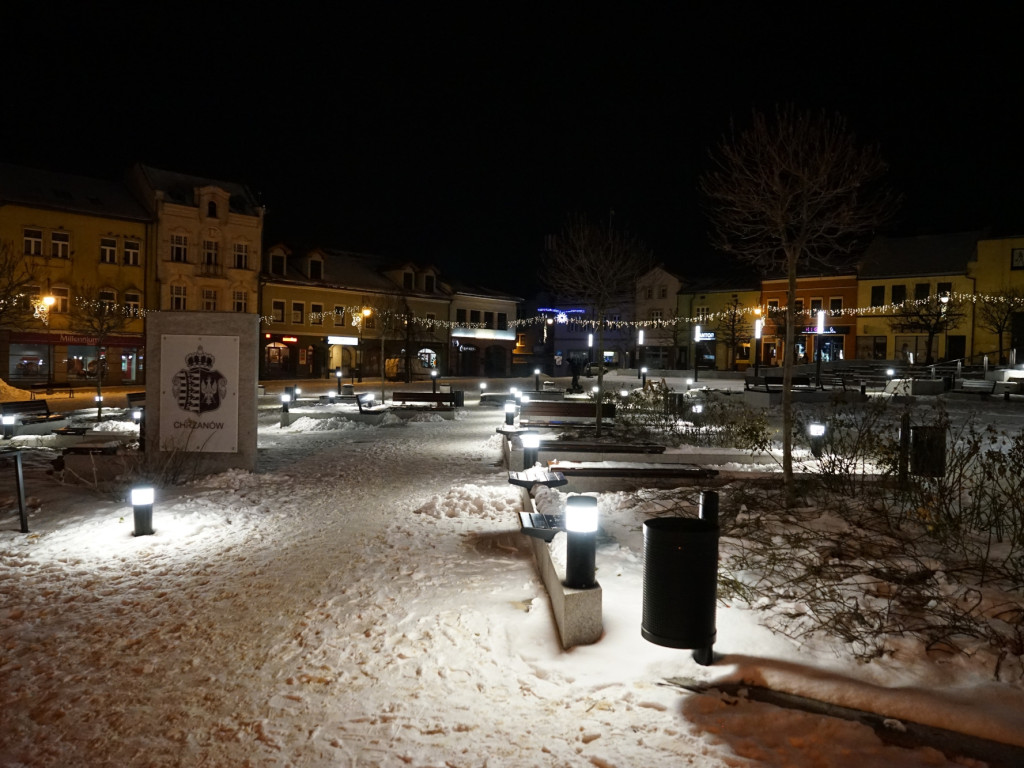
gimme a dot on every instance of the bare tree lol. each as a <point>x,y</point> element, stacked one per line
<point>931,316</point>
<point>997,315</point>
<point>793,190</point>
<point>17,284</point>
<point>598,266</point>
<point>733,329</point>
<point>100,318</point>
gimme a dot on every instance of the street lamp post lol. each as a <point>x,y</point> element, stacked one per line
<point>757,344</point>
<point>817,347</point>
<point>639,344</point>
<point>945,325</point>
<point>696,351</point>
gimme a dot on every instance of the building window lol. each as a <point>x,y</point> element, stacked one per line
<point>816,304</point>
<point>60,245</point>
<point>773,303</point>
<point>430,317</point>
<point>277,311</point>
<point>132,249</point>
<point>298,310</point>
<point>240,301</point>
<point>899,294</point>
<point>654,314</point>
<point>474,317</point>
<point>179,248</point>
<point>277,264</point>
<point>407,280</point>
<point>835,305</point>
<point>339,315</point>
<point>798,306</point>
<point>662,292</point>
<point>502,321</point>
<point>33,242</point>
<point>178,298</point>
<point>211,210</point>
<point>211,250</point>
<point>520,339</point>
<point>428,283</point>
<point>944,289</point>
<point>61,298</point>
<point>703,313</point>
<point>316,313</point>
<point>877,295</point>
<point>107,300</point>
<point>209,300</point>
<point>488,319</point>
<point>370,322</point>
<point>650,293</point>
<point>460,316</point>
<point>241,256</point>
<point>921,291</point>
<point>108,250</point>
<point>133,304</point>
<point>316,269</point>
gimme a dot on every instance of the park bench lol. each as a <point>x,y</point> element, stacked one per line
<point>773,382</point>
<point>32,417</point>
<point>548,413</point>
<point>49,389</point>
<point>437,399</point>
<point>985,388</point>
<point>135,400</point>
<point>364,401</point>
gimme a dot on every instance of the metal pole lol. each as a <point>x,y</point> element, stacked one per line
<point>19,481</point>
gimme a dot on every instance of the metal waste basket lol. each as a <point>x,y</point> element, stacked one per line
<point>928,451</point>
<point>681,582</point>
<point>460,397</point>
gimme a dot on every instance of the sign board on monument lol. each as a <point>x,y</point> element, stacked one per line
<point>199,394</point>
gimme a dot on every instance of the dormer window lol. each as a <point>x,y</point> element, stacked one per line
<point>316,269</point>
<point>407,281</point>
<point>428,283</point>
<point>277,264</point>
<point>211,209</point>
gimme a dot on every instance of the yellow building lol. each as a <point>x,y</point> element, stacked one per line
<point>725,311</point>
<point>998,277</point>
<point>83,243</point>
<point>930,276</point>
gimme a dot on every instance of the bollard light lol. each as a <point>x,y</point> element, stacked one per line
<point>483,386</point>
<point>531,448</point>
<point>137,415</point>
<point>697,408</point>
<point>433,380</point>
<point>8,426</point>
<point>285,399</point>
<point>623,393</point>
<point>536,379</point>
<point>643,377</point>
<point>890,372</point>
<point>817,435</point>
<point>142,510</point>
<point>595,389</point>
<point>524,398</point>
<point>98,398</point>
<point>510,412</point>
<point>581,541</point>
<point>337,374</point>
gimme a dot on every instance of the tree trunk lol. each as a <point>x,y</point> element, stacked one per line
<point>600,378</point>
<point>787,381</point>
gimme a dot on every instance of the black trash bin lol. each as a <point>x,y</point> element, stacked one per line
<point>459,396</point>
<point>680,583</point>
<point>928,451</point>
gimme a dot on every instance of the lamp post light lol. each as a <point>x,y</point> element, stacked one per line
<point>337,375</point>
<point>696,352</point>
<point>816,431</point>
<point>510,413</point>
<point>433,380</point>
<point>758,325</point>
<point>643,377</point>
<point>581,541</point>
<point>8,426</point>
<point>817,347</point>
<point>623,393</point>
<point>695,412</point>
<point>142,510</point>
<point>639,344</point>
<point>536,379</point>
<point>531,448</point>
<point>99,405</point>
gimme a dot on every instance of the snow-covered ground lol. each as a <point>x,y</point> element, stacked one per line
<point>366,599</point>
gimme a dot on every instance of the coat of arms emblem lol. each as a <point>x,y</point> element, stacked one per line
<point>197,387</point>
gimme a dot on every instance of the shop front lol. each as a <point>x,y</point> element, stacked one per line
<point>67,359</point>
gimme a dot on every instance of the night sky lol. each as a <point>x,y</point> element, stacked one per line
<point>462,134</point>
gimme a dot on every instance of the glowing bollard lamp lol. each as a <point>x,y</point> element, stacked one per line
<point>536,379</point>
<point>510,413</point>
<point>643,377</point>
<point>142,510</point>
<point>285,417</point>
<point>8,426</point>
<point>816,432</point>
<point>531,448</point>
<point>337,374</point>
<point>433,380</point>
<point>581,541</point>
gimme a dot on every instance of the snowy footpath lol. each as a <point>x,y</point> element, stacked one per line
<point>367,599</point>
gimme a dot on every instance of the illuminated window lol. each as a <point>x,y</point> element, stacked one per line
<point>339,315</point>
<point>61,299</point>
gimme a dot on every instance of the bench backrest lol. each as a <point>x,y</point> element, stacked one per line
<point>136,398</point>
<point>366,398</point>
<point>564,408</point>
<point>424,397</point>
<point>28,407</point>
